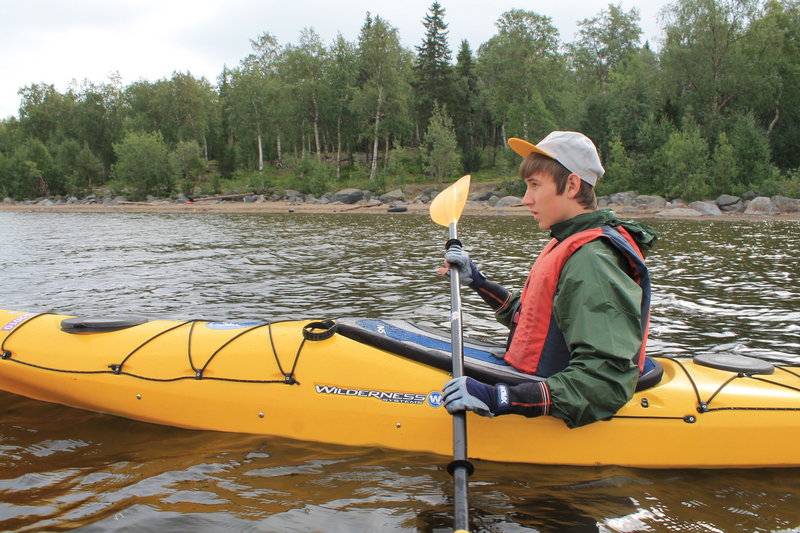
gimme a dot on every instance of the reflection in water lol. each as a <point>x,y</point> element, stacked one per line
<point>729,286</point>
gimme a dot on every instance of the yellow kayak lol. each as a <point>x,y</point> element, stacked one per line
<point>370,382</point>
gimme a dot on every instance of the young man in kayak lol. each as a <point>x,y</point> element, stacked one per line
<point>581,321</point>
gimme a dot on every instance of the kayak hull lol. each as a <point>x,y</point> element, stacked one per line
<point>227,377</point>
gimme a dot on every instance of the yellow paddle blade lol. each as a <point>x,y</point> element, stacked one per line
<point>446,208</point>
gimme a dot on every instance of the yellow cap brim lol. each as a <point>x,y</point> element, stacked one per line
<point>524,148</point>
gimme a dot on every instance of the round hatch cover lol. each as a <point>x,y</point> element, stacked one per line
<point>735,363</point>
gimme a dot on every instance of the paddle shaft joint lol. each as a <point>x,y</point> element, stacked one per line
<point>452,242</point>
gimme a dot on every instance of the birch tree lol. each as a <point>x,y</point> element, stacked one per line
<point>383,80</point>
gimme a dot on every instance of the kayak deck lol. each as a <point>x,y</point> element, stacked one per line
<point>271,378</point>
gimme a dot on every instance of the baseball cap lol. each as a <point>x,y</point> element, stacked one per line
<point>573,150</point>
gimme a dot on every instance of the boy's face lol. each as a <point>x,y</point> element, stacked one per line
<point>548,207</point>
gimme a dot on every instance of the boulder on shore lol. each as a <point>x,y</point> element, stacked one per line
<point>427,194</point>
<point>396,195</point>
<point>786,205</point>
<point>646,200</point>
<point>706,208</point>
<point>481,196</point>
<point>726,202</point>
<point>509,201</point>
<point>622,198</point>
<point>348,196</point>
<point>293,196</point>
<point>761,205</point>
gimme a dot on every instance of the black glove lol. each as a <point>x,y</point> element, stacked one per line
<point>467,394</point>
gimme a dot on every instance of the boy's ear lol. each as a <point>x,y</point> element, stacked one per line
<point>573,185</point>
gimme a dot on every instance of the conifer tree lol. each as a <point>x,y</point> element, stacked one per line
<point>432,68</point>
<point>469,107</point>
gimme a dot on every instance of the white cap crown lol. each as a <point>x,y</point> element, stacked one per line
<point>573,150</point>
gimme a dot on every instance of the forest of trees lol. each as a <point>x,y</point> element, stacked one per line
<point>715,108</point>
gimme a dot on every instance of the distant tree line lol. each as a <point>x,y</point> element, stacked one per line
<point>716,109</point>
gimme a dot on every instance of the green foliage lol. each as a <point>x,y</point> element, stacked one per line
<point>520,70</point>
<point>633,95</point>
<point>751,154</point>
<point>143,164</point>
<point>780,114</point>
<point>469,107</point>
<point>301,69</point>
<point>79,166</point>
<point>312,176</point>
<point>316,115</point>
<point>723,170</point>
<point>513,186</point>
<point>653,135</point>
<point>52,180</point>
<point>250,181</point>
<point>620,170</point>
<point>440,150</point>
<point>787,184</point>
<point>27,172</point>
<point>188,164</point>
<point>471,159</point>
<point>30,171</point>
<point>604,42</point>
<point>84,169</point>
<point>403,162</point>
<point>685,157</point>
<point>5,176</point>
<point>709,63</point>
<point>790,185</point>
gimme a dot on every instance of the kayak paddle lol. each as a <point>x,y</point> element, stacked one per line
<point>446,209</point>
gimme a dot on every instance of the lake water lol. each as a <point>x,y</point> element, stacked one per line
<point>718,286</point>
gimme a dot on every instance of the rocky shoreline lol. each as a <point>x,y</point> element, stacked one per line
<point>486,200</point>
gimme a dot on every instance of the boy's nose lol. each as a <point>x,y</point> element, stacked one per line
<point>527,199</point>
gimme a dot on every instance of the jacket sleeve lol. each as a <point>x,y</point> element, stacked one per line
<point>502,301</point>
<point>598,308</point>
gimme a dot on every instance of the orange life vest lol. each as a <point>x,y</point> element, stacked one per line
<point>536,343</point>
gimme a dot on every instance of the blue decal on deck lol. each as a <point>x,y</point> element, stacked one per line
<point>435,399</point>
<point>238,324</point>
<point>393,332</point>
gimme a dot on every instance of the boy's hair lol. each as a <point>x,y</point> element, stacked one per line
<point>539,163</point>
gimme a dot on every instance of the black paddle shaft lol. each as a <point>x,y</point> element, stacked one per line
<point>460,467</point>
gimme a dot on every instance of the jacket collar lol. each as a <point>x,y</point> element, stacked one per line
<point>584,221</point>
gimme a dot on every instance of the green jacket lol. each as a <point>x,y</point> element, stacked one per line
<point>597,306</point>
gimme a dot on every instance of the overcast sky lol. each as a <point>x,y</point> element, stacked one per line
<point>57,41</point>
